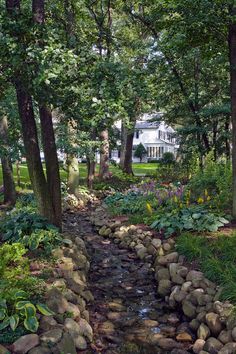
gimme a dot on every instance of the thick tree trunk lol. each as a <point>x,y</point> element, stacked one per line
<point>52,165</point>
<point>129,152</point>
<point>104,155</point>
<point>7,173</point>
<point>232,56</point>
<point>32,151</point>
<point>227,143</point>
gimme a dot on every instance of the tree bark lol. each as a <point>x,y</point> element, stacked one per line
<point>91,172</point>
<point>104,155</point>
<point>18,179</point>
<point>52,165</point>
<point>7,172</point>
<point>123,144</point>
<point>32,151</point>
<point>129,152</point>
<point>72,159</point>
<point>227,143</point>
<point>232,58</point>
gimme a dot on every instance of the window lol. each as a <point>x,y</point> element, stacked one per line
<point>137,134</point>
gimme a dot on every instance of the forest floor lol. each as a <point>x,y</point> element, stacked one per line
<point>126,315</point>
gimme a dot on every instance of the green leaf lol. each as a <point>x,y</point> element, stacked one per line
<point>4,324</point>
<point>44,310</point>
<point>31,323</point>
<point>20,295</point>
<point>21,304</point>
<point>2,314</point>
<point>30,310</point>
<point>14,321</point>
<point>196,216</point>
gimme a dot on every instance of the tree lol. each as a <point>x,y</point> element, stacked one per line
<point>140,151</point>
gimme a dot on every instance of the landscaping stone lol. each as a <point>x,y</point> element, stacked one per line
<point>225,336</point>
<point>56,301</point>
<point>229,348</point>
<point>40,350</point>
<point>169,258</point>
<point>212,345</point>
<point>198,346</point>
<point>203,332</point>
<point>189,309</point>
<point>164,287</point>
<point>168,344</point>
<point>66,345</point>
<point>3,350</point>
<point>214,323</point>
<point>47,323</point>
<point>25,343</point>
<point>51,337</point>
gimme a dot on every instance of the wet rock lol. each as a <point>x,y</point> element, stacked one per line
<point>203,332</point>
<point>184,337</point>
<point>194,324</point>
<point>212,345</point>
<point>107,328</point>
<point>198,346</point>
<point>164,287</point>
<point>116,306</point>
<point>213,322</point>
<point>25,343</point>
<point>51,337</point>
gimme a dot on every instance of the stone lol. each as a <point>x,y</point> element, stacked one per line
<point>198,346</point>
<point>186,286</point>
<point>229,348</point>
<point>188,309</point>
<point>213,322</point>
<point>156,242</point>
<point>169,258</point>
<point>225,337</point>
<point>203,332</point>
<point>175,273</point>
<point>56,301</point>
<point>166,247</point>
<point>47,323</point>
<point>168,344</point>
<point>180,296</point>
<point>184,337</point>
<point>234,334</point>
<point>73,310</point>
<point>81,328</point>
<point>162,273</point>
<point>213,345</point>
<point>194,324</point>
<point>66,345</point>
<point>194,275</point>
<point>25,343</point>
<point>3,350</point>
<point>80,342</point>
<point>164,287</point>
<point>107,327</point>
<point>51,337</point>
<point>40,350</point>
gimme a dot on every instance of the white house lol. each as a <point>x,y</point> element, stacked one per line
<point>156,137</point>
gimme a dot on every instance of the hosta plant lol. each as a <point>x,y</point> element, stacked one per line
<point>21,311</point>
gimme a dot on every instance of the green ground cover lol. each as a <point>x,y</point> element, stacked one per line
<point>139,169</point>
<point>216,257</point>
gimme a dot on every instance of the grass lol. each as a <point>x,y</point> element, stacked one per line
<point>138,168</point>
<point>216,257</point>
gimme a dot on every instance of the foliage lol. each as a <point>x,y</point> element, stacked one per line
<point>20,223</point>
<point>140,152</point>
<point>168,158</point>
<point>43,239</point>
<point>118,181</point>
<point>217,179</point>
<point>215,256</point>
<point>19,310</point>
<point>194,218</point>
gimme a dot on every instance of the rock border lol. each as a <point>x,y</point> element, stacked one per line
<point>213,322</point>
<point>68,330</point>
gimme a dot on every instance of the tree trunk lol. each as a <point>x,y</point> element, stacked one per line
<point>129,152</point>
<point>227,143</point>
<point>32,151</point>
<point>104,155</point>
<point>52,165</point>
<point>232,57</point>
<point>123,144</point>
<point>91,172</point>
<point>73,173</point>
<point>7,173</point>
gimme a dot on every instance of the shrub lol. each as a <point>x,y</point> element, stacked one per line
<point>168,158</point>
<point>21,223</point>
<point>194,218</point>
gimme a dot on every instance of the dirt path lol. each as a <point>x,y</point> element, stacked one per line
<point>126,315</point>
